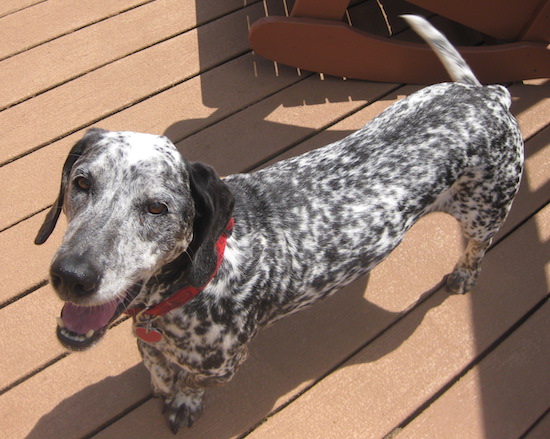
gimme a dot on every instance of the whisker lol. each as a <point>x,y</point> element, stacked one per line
<point>186,252</point>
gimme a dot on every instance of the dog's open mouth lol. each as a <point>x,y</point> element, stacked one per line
<point>80,327</point>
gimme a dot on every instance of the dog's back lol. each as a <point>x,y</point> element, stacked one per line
<point>344,207</point>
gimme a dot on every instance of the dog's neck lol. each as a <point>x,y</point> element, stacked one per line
<point>180,296</point>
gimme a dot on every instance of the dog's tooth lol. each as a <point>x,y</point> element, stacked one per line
<point>90,333</point>
<point>60,322</point>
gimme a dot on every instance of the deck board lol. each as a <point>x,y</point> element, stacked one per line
<point>29,327</point>
<point>103,92</point>
<point>540,429</point>
<point>43,21</point>
<point>391,353</point>
<point>76,53</point>
<point>11,6</point>
<point>20,273</point>
<point>507,389</point>
<point>68,399</point>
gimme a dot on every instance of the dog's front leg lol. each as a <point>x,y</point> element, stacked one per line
<point>184,406</point>
<point>179,389</point>
<point>163,377</point>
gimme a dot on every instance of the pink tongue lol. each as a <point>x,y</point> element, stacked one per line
<point>80,319</point>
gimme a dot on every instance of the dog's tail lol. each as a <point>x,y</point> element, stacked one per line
<point>449,56</point>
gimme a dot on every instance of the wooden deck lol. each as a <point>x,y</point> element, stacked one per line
<point>393,355</point>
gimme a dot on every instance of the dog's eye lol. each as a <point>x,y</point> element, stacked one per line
<point>157,208</point>
<point>83,183</point>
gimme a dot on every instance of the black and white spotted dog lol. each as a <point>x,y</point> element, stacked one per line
<point>203,263</point>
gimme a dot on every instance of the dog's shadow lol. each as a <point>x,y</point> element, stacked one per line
<point>284,359</point>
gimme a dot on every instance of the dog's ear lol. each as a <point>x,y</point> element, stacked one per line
<point>213,208</point>
<point>53,215</point>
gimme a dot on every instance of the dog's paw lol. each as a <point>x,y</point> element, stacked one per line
<point>461,281</point>
<point>183,409</point>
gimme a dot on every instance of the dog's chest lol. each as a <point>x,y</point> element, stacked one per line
<point>199,346</point>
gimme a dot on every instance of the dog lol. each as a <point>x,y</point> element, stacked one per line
<point>202,263</point>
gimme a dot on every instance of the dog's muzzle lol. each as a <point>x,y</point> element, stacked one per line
<point>81,326</point>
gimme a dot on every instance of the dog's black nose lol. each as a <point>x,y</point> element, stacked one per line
<point>74,276</point>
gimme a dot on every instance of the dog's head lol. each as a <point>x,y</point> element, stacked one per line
<point>133,206</point>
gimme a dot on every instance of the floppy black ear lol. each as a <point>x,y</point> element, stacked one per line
<point>53,215</point>
<point>213,208</point>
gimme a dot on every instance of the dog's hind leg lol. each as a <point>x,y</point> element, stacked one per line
<point>464,277</point>
<point>480,201</point>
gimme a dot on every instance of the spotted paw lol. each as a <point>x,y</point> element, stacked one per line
<point>183,409</point>
<point>461,281</point>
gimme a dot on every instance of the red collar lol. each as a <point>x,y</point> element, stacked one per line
<point>181,297</point>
